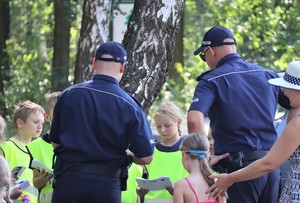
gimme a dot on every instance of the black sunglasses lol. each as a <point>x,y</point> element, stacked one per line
<point>202,54</point>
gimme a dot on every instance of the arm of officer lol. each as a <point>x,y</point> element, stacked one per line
<point>195,122</point>
<point>140,161</point>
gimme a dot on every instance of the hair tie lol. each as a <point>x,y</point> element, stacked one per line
<point>202,153</point>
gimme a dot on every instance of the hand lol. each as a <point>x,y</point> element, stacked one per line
<point>15,193</point>
<point>141,191</point>
<point>214,159</point>
<point>170,189</point>
<point>45,175</point>
<point>41,178</point>
<point>220,186</point>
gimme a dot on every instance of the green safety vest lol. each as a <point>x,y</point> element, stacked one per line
<point>165,164</point>
<point>16,154</point>
<point>130,195</point>
<point>43,151</point>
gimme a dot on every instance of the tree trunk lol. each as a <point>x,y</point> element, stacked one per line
<point>95,25</point>
<point>4,58</point>
<point>150,42</point>
<point>178,55</point>
<point>61,52</point>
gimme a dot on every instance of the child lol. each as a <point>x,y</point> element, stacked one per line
<point>16,192</point>
<point>214,159</point>
<point>29,119</point>
<point>42,150</point>
<point>195,152</point>
<point>167,157</point>
<point>4,179</point>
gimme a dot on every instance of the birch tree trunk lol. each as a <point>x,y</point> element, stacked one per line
<point>95,24</point>
<point>150,42</point>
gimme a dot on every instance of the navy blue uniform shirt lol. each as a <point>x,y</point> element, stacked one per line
<point>240,103</point>
<point>97,121</point>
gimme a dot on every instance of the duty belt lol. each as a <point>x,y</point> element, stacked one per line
<point>91,167</point>
<point>235,160</point>
<point>250,156</point>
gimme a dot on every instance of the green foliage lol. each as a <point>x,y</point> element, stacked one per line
<point>266,31</point>
<point>30,48</point>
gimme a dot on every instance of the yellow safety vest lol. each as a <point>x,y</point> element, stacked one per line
<point>165,164</point>
<point>16,154</point>
<point>130,195</point>
<point>43,151</point>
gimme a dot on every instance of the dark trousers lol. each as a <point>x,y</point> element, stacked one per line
<point>79,187</point>
<point>264,189</point>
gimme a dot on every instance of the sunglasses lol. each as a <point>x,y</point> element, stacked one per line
<point>202,54</point>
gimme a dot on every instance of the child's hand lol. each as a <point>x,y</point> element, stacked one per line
<point>15,193</point>
<point>214,159</point>
<point>170,189</point>
<point>41,178</point>
<point>141,191</point>
<point>45,175</point>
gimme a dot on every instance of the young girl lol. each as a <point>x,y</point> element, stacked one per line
<point>195,152</point>
<point>167,157</point>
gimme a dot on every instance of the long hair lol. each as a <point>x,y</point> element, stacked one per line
<point>199,142</point>
<point>4,175</point>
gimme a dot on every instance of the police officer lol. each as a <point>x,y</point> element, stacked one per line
<point>95,125</point>
<point>241,106</point>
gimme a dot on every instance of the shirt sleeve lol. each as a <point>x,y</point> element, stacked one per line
<point>140,136</point>
<point>204,97</point>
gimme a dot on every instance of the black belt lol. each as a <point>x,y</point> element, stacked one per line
<point>91,167</point>
<point>235,160</point>
<point>250,156</point>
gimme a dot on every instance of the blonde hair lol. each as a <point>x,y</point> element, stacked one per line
<point>24,109</point>
<point>51,99</point>
<point>2,129</point>
<point>170,110</point>
<point>196,141</point>
<point>4,174</point>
